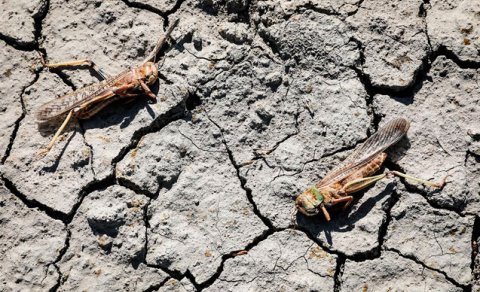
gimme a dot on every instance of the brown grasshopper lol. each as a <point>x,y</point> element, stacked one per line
<point>355,172</point>
<point>87,101</point>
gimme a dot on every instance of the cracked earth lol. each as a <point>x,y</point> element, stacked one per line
<point>257,100</point>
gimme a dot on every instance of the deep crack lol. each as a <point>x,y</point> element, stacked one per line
<point>19,120</point>
<point>337,277</point>
<point>242,180</point>
<point>475,239</point>
<point>62,252</point>
<point>32,203</point>
<point>163,14</point>
<point>466,288</point>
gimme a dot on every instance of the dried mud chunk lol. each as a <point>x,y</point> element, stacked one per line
<point>393,39</point>
<point>438,238</point>
<point>459,32</point>
<point>30,242</point>
<point>18,17</point>
<point>441,115</point>
<point>285,261</point>
<point>392,272</point>
<point>107,244</point>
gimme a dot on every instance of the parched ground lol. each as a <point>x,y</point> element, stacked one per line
<point>257,100</point>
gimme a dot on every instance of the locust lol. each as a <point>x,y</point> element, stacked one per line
<point>88,101</point>
<point>356,172</point>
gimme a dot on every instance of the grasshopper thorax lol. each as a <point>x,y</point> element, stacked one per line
<point>309,202</point>
<point>150,71</point>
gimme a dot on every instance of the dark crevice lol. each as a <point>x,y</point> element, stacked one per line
<point>133,187</point>
<point>62,252</point>
<point>59,280</point>
<point>174,9</point>
<point>38,35</point>
<point>142,256</point>
<point>193,101</point>
<point>368,88</point>
<point>38,19</point>
<point>359,5</point>
<point>382,232</point>
<point>55,214</point>
<point>157,286</point>
<point>242,180</point>
<point>22,46</point>
<point>192,280</point>
<point>337,277</point>
<point>172,115</point>
<point>463,64</point>
<point>177,275</point>
<point>18,121</point>
<point>422,12</point>
<point>163,14</point>
<point>313,7</point>
<point>475,238</point>
<point>143,6</point>
<point>96,185</point>
<point>466,288</point>
<point>420,76</point>
<point>32,203</point>
<point>146,221</point>
<point>37,24</point>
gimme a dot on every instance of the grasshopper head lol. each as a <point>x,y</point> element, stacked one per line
<point>309,202</point>
<point>150,71</point>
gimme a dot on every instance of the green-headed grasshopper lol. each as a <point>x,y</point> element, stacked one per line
<point>355,172</point>
<point>87,101</point>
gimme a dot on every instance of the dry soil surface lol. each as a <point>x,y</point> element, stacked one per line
<point>256,101</point>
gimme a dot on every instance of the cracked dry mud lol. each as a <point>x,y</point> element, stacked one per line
<point>257,100</point>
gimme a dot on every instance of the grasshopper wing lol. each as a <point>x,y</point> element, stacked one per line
<point>388,135</point>
<point>64,104</point>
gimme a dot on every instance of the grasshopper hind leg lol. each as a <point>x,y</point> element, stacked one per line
<point>439,185</point>
<point>83,62</point>
<point>44,151</point>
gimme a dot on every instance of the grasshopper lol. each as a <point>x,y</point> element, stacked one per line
<point>88,101</point>
<point>355,173</point>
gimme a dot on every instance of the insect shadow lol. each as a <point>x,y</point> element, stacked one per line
<point>345,220</point>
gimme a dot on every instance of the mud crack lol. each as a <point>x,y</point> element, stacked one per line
<point>163,14</point>
<point>466,288</point>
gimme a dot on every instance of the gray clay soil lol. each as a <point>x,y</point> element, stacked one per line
<point>257,100</point>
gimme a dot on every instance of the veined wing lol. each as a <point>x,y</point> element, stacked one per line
<point>388,135</point>
<point>63,104</point>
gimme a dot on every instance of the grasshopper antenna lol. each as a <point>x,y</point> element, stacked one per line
<point>161,41</point>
